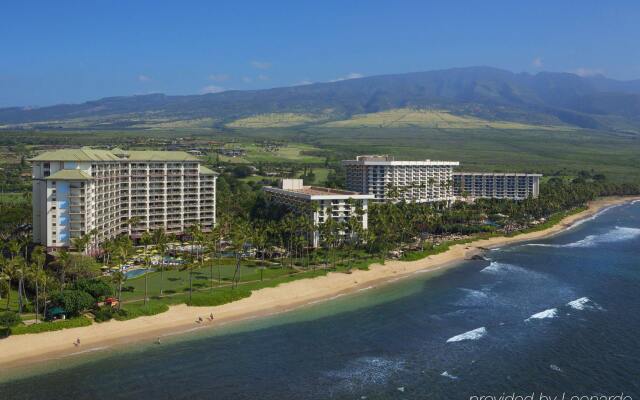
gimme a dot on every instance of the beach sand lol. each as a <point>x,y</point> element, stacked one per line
<point>26,349</point>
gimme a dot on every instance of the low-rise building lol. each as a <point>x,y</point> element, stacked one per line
<point>390,180</point>
<point>111,192</point>
<point>496,185</point>
<point>320,203</point>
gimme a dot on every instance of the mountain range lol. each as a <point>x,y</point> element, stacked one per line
<point>484,93</point>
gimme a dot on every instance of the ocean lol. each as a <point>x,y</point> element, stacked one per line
<point>548,317</point>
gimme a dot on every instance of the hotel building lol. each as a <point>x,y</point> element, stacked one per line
<point>320,203</point>
<point>81,191</point>
<point>411,181</point>
<point>513,186</point>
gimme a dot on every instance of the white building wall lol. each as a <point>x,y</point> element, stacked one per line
<point>172,195</point>
<point>411,181</point>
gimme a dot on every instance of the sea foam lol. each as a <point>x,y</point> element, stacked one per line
<point>618,234</point>
<point>470,335</point>
<point>583,303</point>
<point>550,313</point>
<point>448,375</point>
<point>497,267</point>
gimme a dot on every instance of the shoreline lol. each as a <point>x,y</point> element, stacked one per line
<point>23,350</point>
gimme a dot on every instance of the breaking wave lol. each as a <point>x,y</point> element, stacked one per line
<point>583,303</point>
<point>618,234</point>
<point>470,335</point>
<point>448,375</point>
<point>594,216</point>
<point>550,313</point>
<point>497,267</point>
<point>555,368</point>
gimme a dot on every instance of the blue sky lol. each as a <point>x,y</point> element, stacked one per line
<point>72,51</point>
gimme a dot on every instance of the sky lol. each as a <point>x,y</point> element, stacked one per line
<point>61,51</point>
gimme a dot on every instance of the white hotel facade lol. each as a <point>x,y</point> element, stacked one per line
<point>320,203</point>
<point>82,191</point>
<point>496,185</point>
<point>390,180</point>
<point>433,181</point>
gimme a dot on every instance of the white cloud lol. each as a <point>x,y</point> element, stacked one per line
<point>143,78</point>
<point>352,75</point>
<point>537,62</point>
<point>263,77</point>
<point>246,79</point>
<point>261,64</point>
<point>304,82</point>
<point>584,72</point>
<point>212,89</point>
<point>219,77</point>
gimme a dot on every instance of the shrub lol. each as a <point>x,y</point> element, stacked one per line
<point>9,319</point>
<point>95,287</point>
<point>74,302</point>
<point>103,314</point>
<point>140,310</point>
<point>50,326</point>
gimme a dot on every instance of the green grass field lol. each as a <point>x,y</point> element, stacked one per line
<point>292,153</point>
<point>545,151</point>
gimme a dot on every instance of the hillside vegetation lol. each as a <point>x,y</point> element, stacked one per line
<point>274,120</point>
<point>477,92</point>
<point>436,119</point>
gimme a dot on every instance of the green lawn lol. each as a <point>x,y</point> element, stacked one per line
<point>176,281</point>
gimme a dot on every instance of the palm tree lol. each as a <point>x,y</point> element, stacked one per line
<point>160,240</point>
<point>146,241</point>
<point>38,258</point>
<point>214,238</point>
<point>259,241</point>
<point>6,275</point>
<point>118,278</point>
<point>80,243</point>
<point>63,262</point>
<point>14,248</point>
<point>239,234</point>
<point>124,249</point>
<point>196,233</point>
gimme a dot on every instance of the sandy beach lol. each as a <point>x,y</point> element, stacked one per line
<point>26,349</point>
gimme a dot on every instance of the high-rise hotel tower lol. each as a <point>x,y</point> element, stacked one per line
<point>411,181</point>
<point>110,192</point>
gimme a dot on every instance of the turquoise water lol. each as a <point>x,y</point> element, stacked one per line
<point>553,316</point>
<point>134,273</point>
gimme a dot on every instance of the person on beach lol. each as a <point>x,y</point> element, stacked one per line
<point>77,342</point>
<point>158,340</point>
<point>211,316</point>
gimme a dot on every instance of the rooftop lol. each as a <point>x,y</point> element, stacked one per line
<point>69,175</point>
<point>495,174</point>
<point>89,154</point>
<point>83,154</point>
<point>206,171</point>
<point>389,160</point>
<point>321,191</point>
<point>315,192</point>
